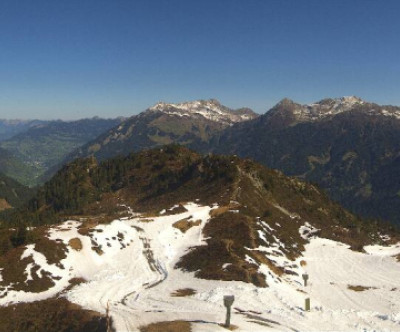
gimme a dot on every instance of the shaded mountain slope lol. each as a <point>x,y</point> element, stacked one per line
<point>351,153</point>
<point>12,193</point>
<point>190,124</point>
<point>14,167</point>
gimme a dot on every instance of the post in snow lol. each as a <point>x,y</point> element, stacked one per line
<point>228,301</point>
<point>307,301</point>
<point>305,278</point>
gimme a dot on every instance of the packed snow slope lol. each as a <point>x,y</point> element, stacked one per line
<point>129,267</point>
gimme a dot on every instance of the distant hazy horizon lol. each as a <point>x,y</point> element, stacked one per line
<point>135,113</point>
<point>78,59</point>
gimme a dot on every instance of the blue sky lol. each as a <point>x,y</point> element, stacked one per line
<point>80,58</point>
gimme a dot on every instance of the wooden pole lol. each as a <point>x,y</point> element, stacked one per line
<point>307,304</point>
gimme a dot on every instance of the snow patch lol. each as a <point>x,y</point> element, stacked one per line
<point>307,231</point>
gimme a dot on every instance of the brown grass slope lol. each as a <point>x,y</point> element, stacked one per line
<point>260,196</point>
<point>53,315</point>
<point>258,206</point>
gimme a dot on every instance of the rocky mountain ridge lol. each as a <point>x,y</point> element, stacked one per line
<point>347,146</point>
<point>190,124</point>
<point>330,107</point>
<point>11,127</point>
<point>210,109</point>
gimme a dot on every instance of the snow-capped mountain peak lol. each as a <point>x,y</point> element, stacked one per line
<point>331,107</point>
<point>210,109</point>
<point>340,104</point>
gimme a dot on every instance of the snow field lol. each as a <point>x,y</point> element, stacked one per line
<point>133,273</point>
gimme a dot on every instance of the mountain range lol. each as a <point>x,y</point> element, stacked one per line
<point>190,124</point>
<point>347,146</point>
<point>10,128</point>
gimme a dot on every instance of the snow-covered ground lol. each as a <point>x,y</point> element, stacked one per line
<point>134,275</point>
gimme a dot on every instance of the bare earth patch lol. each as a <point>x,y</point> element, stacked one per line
<point>218,211</point>
<point>359,288</point>
<point>174,326</point>
<point>75,244</point>
<point>175,210</point>
<point>146,220</point>
<point>183,292</point>
<point>230,328</point>
<point>185,224</point>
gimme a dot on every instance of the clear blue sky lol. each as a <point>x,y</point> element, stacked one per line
<point>79,58</point>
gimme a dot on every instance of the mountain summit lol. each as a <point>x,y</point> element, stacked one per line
<point>348,146</point>
<point>294,113</point>
<point>209,109</point>
<point>190,124</point>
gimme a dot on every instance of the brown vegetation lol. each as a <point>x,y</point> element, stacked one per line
<point>228,234</point>
<point>259,256</point>
<point>216,212</point>
<point>175,210</point>
<point>53,315</point>
<point>185,224</point>
<point>183,292</point>
<point>75,244</point>
<point>14,275</point>
<point>174,326</point>
<point>230,328</point>
<point>359,288</point>
<point>52,250</point>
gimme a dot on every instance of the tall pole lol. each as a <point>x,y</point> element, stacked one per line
<point>228,317</point>
<point>228,301</point>
<point>307,300</point>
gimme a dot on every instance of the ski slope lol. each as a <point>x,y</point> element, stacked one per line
<point>134,276</point>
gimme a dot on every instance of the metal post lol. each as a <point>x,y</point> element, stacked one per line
<point>228,317</point>
<point>307,301</point>
<point>228,301</point>
<point>305,278</point>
